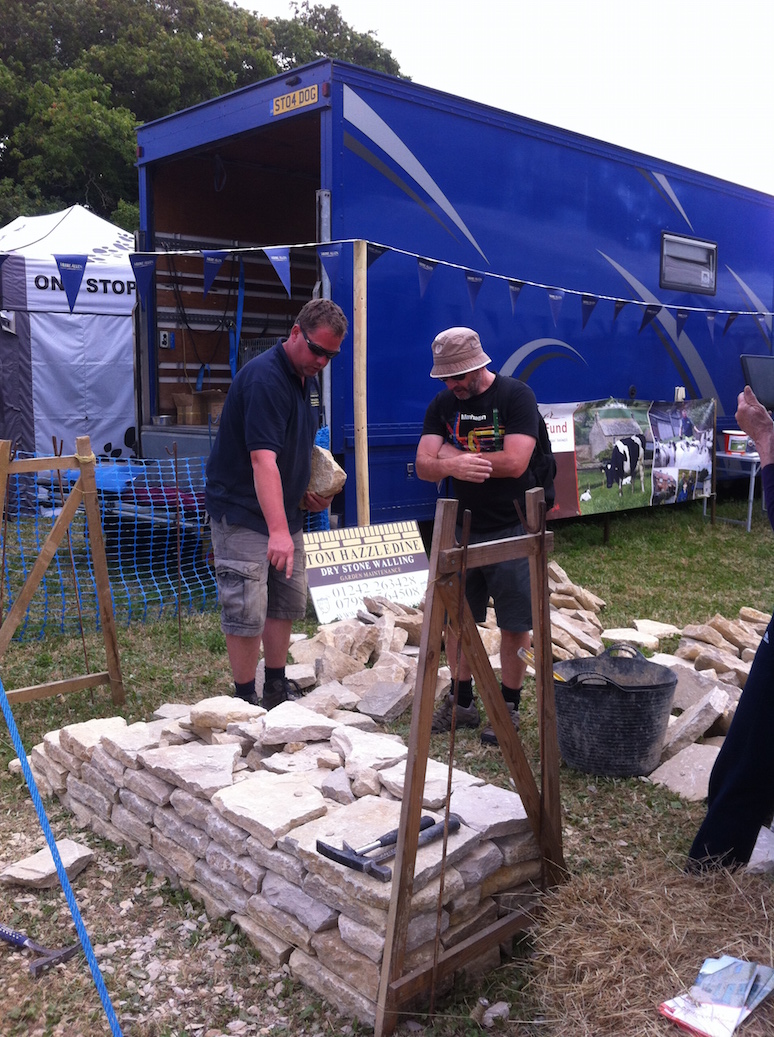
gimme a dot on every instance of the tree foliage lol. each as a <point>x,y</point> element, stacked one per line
<point>77,76</point>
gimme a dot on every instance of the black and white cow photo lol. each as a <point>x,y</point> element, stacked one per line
<point>626,461</point>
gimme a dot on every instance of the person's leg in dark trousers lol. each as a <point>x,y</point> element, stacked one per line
<point>741,787</point>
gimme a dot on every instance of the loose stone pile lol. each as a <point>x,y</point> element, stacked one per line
<point>229,801</point>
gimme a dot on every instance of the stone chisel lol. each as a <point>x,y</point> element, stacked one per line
<point>359,859</point>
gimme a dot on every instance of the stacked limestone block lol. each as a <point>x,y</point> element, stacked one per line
<point>228,802</point>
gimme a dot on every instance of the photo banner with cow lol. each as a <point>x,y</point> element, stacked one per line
<point>614,455</point>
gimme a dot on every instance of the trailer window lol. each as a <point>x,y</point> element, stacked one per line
<point>688,264</point>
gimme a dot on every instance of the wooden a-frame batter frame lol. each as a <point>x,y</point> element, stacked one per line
<point>542,804</point>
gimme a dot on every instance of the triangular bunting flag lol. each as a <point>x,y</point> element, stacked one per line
<point>588,302</point>
<point>425,269</point>
<point>650,312</point>
<point>619,305</point>
<point>213,260</point>
<point>731,318</point>
<point>474,280</point>
<point>682,317</point>
<point>280,260</point>
<point>329,257</point>
<point>71,271</point>
<point>514,287</point>
<point>711,315</point>
<point>374,252</point>
<point>555,300</point>
<point>143,267</point>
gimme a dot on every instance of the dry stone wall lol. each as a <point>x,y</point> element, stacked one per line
<point>228,802</point>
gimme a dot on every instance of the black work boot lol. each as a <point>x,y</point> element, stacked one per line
<point>278,690</point>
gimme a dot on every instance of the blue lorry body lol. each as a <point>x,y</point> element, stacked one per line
<point>523,220</point>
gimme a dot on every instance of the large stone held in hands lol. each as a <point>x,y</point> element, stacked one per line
<point>328,477</point>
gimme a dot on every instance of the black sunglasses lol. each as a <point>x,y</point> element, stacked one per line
<point>317,350</point>
<point>457,377</point>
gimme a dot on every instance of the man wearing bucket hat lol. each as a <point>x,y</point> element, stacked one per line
<point>480,431</point>
<point>740,798</point>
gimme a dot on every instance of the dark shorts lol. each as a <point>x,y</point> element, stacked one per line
<point>249,589</point>
<point>507,583</point>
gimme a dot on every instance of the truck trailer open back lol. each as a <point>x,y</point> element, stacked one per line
<point>589,271</point>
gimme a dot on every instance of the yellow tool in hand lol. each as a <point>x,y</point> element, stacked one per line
<point>529,657</point>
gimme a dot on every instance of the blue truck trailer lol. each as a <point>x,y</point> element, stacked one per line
<point>589,271</point>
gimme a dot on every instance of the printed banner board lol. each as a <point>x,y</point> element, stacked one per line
<point>345,565</point>
<point>613,455</point>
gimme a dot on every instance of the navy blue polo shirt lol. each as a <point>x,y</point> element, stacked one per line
<point>268,407</point>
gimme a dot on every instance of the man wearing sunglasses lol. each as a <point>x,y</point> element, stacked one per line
<point>480,431</point>
<point>256,494</point>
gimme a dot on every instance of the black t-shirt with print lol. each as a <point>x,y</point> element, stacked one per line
<point>480,424</point>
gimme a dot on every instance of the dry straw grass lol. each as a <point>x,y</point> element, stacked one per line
<point>609,951</point>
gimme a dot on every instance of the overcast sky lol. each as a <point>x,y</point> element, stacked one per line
<point>689,81</point>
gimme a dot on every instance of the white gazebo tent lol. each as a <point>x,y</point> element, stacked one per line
<point>67,359</point>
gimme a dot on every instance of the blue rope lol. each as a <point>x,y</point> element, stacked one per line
<point>60,870</point>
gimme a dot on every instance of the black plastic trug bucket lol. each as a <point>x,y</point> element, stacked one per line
<point>612,712</point>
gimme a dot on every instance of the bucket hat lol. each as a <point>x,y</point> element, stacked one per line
<point>457,351</point>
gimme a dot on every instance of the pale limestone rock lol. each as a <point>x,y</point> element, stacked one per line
<point>762,858</point>
<point>723,663</point>
<point>412,625</point>
<point>213,905</point>
<point>55,751</point>
<point>710,636</point>
<point>399,639</point>
<point>222,831</point>
<point>269,805</point>
<point>490,810</point>
<point>688,773</point>
<point>181,861</point>
<point>365,780</point>
<point>274,950</point>
<point>480,863</point>
<point>385,629</point>
<point>80,739</point>
<point>629,636</point>
<point>484,914</point>
<point>304,760</point>
<point>199,769</point>
<point>108,766</point>
<point>171,711</point>
<point>38,871</point>
<point>232,897</point>
<point>276,860</point>
<point>689,648</point>
<point>190,837</point>
<point>337,787</point>
<point>512,875</point>
<point>361,938</point>
<point>99,805</point>
<point>328,759</point>
<point>562,601</point>
<point>345,718</point>
<point>105,786</point>
<point>436,780</point>
<point>386,700</point>
<point>55,773</point>
<point>659,630</point>
<point>281,923</point>
<point>754,616</point>
<point>349,1001</point>
<point>735,633</point>
<point>579,632</point>
<point>131,825</point>
<point>517,848</point>
<point>363,749</point>
<point>694,722</point>
<point>328,477</point>
<point>237,868</point>
<point>217,713</point>
<point>149,786</point>
<point>334,665</point>
<point>124,745</point>
<point>141,808</point>
<point>293,722</point>
<point>327,698</point>
<point>286,896</point>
